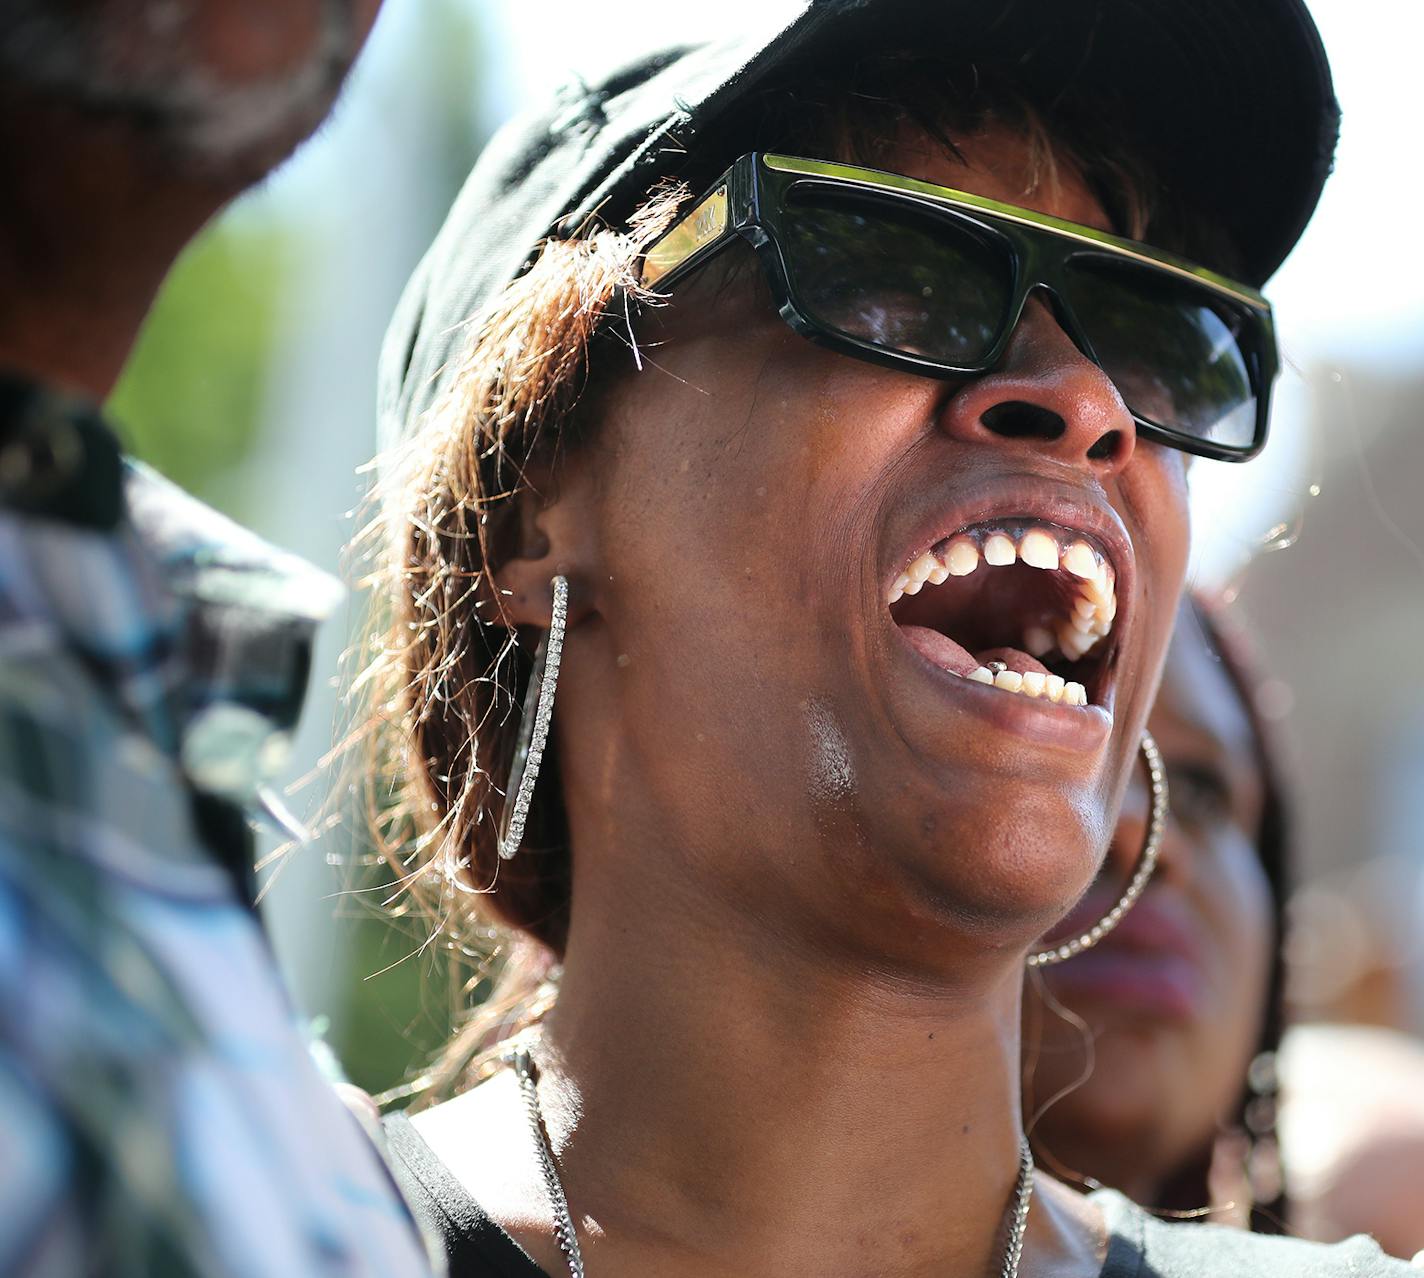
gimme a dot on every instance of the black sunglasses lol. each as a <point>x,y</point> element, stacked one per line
<point>932,280</point>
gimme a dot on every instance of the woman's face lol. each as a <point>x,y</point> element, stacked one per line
<point>738,690</point>
<point>1173,999</point>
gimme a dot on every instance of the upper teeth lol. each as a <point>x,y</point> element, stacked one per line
<point>1039,545</point>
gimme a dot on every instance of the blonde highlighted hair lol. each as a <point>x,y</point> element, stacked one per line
<point>440,694</point>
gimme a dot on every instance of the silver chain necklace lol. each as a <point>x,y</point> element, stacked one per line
<point>567,1237</point>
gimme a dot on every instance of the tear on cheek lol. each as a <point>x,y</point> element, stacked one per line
<point>832,776</point>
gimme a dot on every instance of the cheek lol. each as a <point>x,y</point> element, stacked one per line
<point>1238,903</point>
<point>1153,493</point>
<point>1154,490</point>
<point>700,539</point>
<point>1244,899</point>
<point>752,466</point>
<point>739,494</point>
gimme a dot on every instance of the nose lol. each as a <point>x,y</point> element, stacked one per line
<point>1047,396</point>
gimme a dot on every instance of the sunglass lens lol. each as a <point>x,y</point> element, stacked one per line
<point>896,278</point>
<point>1177,353</point>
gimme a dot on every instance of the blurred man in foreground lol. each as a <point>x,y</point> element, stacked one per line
<point>159,1114</point>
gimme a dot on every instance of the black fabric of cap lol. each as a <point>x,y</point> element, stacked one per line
<point>1230,100</point>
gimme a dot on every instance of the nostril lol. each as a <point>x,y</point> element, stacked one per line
<point>1018,419</point>
<point>1107,446</point>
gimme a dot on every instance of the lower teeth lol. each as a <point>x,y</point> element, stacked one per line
<point>1048,687</point>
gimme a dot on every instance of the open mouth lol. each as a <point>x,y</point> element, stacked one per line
<point>1021,604</point>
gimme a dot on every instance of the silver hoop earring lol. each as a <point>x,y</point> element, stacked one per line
<point>1147,862</point>
<point>534,724</point>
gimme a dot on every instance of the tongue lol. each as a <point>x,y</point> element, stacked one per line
<point>940,649</point>
<point>948,655</point>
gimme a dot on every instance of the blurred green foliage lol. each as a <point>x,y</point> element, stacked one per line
<point>401,1003</point>
<point>400,1006</point>
<point>235,315</point>
<point>191,397</point>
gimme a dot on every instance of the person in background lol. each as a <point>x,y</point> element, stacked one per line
<point>1159,1063</point>
<point>159,1111</point>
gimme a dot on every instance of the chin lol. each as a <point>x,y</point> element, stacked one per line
<point>219,96</point>
<point>238,142</point>
<point>997,872</point>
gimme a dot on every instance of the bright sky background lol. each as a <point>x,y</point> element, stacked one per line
<point>1352,293</point>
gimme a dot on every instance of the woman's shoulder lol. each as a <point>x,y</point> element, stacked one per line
<point>1141,1246</point>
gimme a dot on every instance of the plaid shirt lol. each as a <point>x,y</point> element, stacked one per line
<point>159,1112</point>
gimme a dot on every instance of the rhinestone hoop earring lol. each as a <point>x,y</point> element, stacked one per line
<point>1147,862</point>
<point>534,725</point>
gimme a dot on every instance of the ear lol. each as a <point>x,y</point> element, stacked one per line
<point>551,536</point>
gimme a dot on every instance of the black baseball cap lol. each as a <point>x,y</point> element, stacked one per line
<point>1230,99</point>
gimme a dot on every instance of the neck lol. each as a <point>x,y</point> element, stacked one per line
<point>732,1096</point>
<point>88,231</point>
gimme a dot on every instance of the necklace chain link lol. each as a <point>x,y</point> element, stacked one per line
<point>564,1231</point>
<point>567,1236</point>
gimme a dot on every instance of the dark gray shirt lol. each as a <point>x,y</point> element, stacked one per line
<point>1139,1245</point>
